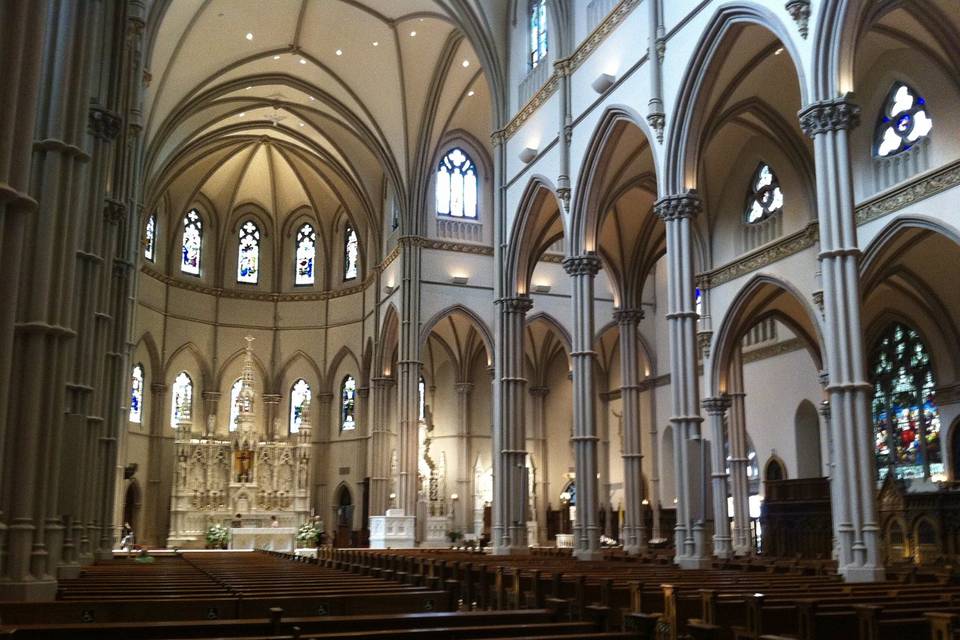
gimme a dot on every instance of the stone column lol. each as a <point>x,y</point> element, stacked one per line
<point>716,408</point>
<point>829,122</point>
<point>582,270</point>
<point>275,429</point>
<point>380,437</point>
<point>677,212</point>
<point>22,54</point>
<point>654,498</point>
<point>541,455</point>
<point>408,373</point>
<point>824,411</point>
<point>322,417</point>
<point>463,389</point>
<point>737,433</point>
<point>509,432</point>
<point>634,529</point>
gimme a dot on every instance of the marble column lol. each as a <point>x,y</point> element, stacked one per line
<point>21,52</point>
<point>716,408</point>
<point>582,271</point>
<point>509,432</point>
<point>408,374</point>
<point>541,455</point>
<point>463,389</point>
<point>829,123</point>
<point>737,433</point>
<point>380,438</point>
<point>677,213</point>
<point>634,529</point>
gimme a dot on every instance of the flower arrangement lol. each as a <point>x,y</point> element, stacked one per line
<point>217,537</point>
<point>307,535</point>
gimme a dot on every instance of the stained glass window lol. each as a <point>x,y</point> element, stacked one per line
<point>192,240</point>
<point>248,257</point>
<point>136,394</point>
<point>351,254</point>
<point>306,254</point>
<point>698,301</point>
<point>457,186</point>
<point>765,197</point>
<point>903,121</point>
<point>182,399</point>
<point>906,423</point>
<point>348,399</point>
<point>299,396</point>
<point>234,409</point>
<point>150,238</point>
<point>538,31</point>
<point>422,395</point>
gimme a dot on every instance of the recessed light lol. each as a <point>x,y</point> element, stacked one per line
<point>241,115</point>
<point>303,61</point>
<point>376,44</point>
<point>339,52</point>
<point>413,33</point>
<point>778,51</point>
<point>466,63</point>
<point>470,93</point>
<point>311,98</point>
<point>248,88</point>
<point>276,57</point>
<point>301,124</point>
<point>249,36</point>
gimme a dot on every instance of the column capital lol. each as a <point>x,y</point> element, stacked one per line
<point>103,123</point>
<point>829,115</point>
<point>519,304</point>
<point>211,395</point>
<point>159,387</point>
<point>324,396</point>
<point>463,387</point>
<point>271,398</point>
<point>587,264</point>
<point>716,405</point>
<point>628,316</point>
<point>676,207</point>
<point>539,392</point>
<point>824,409</point>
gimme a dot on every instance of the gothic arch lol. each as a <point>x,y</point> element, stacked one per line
<point>389,339</point>
<point>153,354</point>
<point>684,141</point>
<point>538,224</point>
<point>297,356</point>
<point>190,349</point>
<point>267,380</point>
<point>478,324</point>
<point>329,381</point>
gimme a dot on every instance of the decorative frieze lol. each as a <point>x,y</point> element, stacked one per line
<point>829,115</point>
<point>778,349</point>
<point>786,246</point>
<point>925,186</point>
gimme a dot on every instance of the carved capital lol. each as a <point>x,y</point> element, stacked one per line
<point>463,387</point>
<point>657,121</point>
<point>824,409</point>
<point>498,137</point>
<point>628,316</point>
<point>103,123</point>
<point>114,211</point>
<point>829,115</point>
<point>799,10</point>
<point>539,392</point>
<point>520,304</point>
<point>703,342</point>
<point>684,205</point>
<point>716,406</point>
<point>585,265</point>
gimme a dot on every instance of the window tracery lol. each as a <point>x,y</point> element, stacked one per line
<point>348,398</point>
<point>150,238</point>
<point>191,243</point>
<point>765,197</point>
<point>182,399</point>
<point>538,31</point>
<point>351,254</point>
<point>457,185</point>
<point>248,256</point>
<point>306,254</point>
<point>299,396</point>
<point>903,121</point>
<point>136,394</point>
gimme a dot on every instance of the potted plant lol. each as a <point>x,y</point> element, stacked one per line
<point>218,536</point>
<point>307,535</point>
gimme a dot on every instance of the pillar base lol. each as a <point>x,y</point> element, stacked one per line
<point>693,562</point>
<point>68,571</point>
<point>588,556</point>
<point>103,554</point>
<point>29,590</point>
<point>510,551</point>
<point>853,573</point>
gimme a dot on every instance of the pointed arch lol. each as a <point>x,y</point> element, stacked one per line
<point>478,324</point>
<point>153,353</point>
<point>344,353</point>
<point>538,224</point>
<point>298,356</point>
<point>191,350</point>
<point>389,338</point>
<point>267,381</point>
<point>761,297</point>
<point>684,141</point>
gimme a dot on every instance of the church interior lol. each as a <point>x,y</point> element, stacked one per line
<point>480,319</point>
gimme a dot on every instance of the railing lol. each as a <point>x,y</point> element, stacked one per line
<point>459,230</point>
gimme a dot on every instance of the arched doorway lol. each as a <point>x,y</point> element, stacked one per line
<point>344,517</point>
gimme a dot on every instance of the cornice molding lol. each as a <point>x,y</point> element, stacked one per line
<point>773,350</point>
<point>786,246</point>
<point>567,66</point>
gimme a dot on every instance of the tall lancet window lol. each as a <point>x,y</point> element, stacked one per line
<point>192,241</point>
<point>234,409</point>
<point>422,396</point>
<point>348,401</point>
<point>538,31</point>
<point>306,254</point>
<point>765,197</point>
<point>248,258</point>
<point>136,394</point>
<point>351,254</point>
<point>903,121</point>
<point>182,398</point>
<point>906,422</point>
<point>457,186</point>
<point>299,396</point>
<point>150,238</point>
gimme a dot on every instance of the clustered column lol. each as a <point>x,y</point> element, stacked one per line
<point>380,445</point>
<point>408,374</point>
<point>740,483</point>
<point>716,408</point>
<point>677,212</point>
<point>541,455</point>
<point>634,529</point>
<point>509,433</point>
<point>463,389</point>
<point>855,511</point>
<point>582,270</point>
<point>321,435</point>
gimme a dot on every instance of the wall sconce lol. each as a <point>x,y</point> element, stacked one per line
<point>603,82</point>
<point>389,289</point>
<point>454,497</point>
<point>459,279</point>
<point>541,288</point>
<point>527,155</point>
<point>644,501</point>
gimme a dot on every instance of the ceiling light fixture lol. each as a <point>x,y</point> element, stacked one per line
<point>413,34</point>
<point>276,57</point>
<point>778,51</point>
<point>311,98</point>
<point>303,61</point>
<point>249,36</point>
<point>470,93</point>
<point>466,63</point>
<point>339,52</point>
<point>376,44</point>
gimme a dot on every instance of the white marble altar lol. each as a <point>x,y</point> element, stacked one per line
<point>392,531</point>
<point>269,538</point>
<point>436,533</point>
